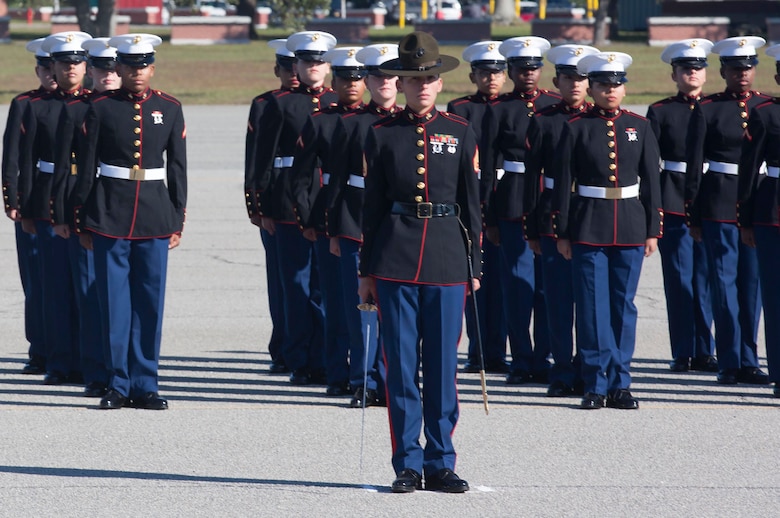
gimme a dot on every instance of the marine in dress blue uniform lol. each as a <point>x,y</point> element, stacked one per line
<point>488,72</point>
<point>421,186</point>
<point>316,155</point>
<point>607,228</point>
<point>131,215</point>
<point>684,261</point>
<point>91,342</point>
<point>283,69</point>
<point>503,164</point>
<point>718,124</point>
<point>542,140</point>
<point>757,212</point>
<point>26,244</point>
<point>36,180</point>
<point>344,221</point>
<point>284,117</point>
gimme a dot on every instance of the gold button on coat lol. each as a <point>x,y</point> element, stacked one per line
<point>137,106</point>
<point>612,178</point>
<point>611,144</point>
<point>420,170</point>
<point>136,143</point>
<point>138,155</point>
<point>421,185</point>
<point>610,124</point>
<point>418,199</point>
<point>420,156</point>
<point>612,167</point>
<point>419,129</point>
<point>136,117</point>
<point>610,133</point>
<point>137,131</point>
<point>420,143</point>
<point>612,154</point>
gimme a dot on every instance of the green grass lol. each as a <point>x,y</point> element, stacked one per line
<point>234,74</point>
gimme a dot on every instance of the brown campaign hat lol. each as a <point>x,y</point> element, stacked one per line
<point>418,55</point>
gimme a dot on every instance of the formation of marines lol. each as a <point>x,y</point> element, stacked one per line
<point>534,206</point>
<point>95,182</point>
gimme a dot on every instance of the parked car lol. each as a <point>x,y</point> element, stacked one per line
<point>214,8</point>
<point>529,11</point>
<point>450,10</point>
<point>413,11</point>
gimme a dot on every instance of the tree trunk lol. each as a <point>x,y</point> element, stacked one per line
<point>599,30</point>
<point>248,8</point>
<point>83,16</point>
<point>505,11</point>
<point>612,13</point>
<point>105,24</point>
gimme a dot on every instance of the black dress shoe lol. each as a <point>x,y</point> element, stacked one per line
<point>471,367</point>
<point>752,376</point>
<point>34,367</point>
<point>299,377</point>
<point>518,378</point>
<point>497,367</point>
<point>338,390</point>
<point>559,389</point>
<point>407,481</point>
<point>278,367</point>
<point>150,401</point>
<point>622,399</point>
<point>318,377</point>
<point>113,400</point>
<point>95,389</point>
<point>541,376</point>
<point>55,378</point>
<point>679,365</point>
<point>446,481</point>
<point>369,398</point>
<point>728,376</point>
<point>776,391</point>
<point>592,401</point>
<point>705,363</point>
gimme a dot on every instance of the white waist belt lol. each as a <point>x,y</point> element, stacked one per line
<point>357,181</point>
<point>45,167</point>
<point>325,178</point>
<point>514,167</point>
<point>723,167</point>
<point>609,193</point>
<point>283,161</point>
<point>671,165</point>
<point>773,172</point>
<point>549,183</point>
<point>127,173</point>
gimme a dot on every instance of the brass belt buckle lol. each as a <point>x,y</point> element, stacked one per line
<point>614,193</point>
<point>425,210</point>
<point>137,174</point>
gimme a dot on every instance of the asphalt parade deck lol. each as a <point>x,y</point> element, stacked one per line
<point>238,441</point>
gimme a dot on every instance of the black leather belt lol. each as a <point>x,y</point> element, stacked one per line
<point>425,210</point>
